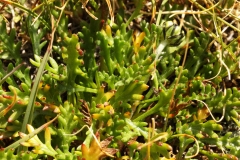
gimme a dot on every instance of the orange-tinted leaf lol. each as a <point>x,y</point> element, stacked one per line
<point>97,149</point>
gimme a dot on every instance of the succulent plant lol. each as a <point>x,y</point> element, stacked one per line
<point>120,87</point>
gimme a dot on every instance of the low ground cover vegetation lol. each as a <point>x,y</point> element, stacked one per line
<point>101,79</point>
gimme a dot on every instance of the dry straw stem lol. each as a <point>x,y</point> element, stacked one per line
<point>151,130</point>
<point>224,107</point>
<point>84,3</point>
<point>212,14</point>
<point>24,9</point>
<point>91,131</point>
<point>29,136</point>
<point>160,136</point>
<point>177,81</point>
<point>197,144</point>
<point>217,121</point>
<point>111,11</point>
<point>11,73</point>
<point>219,34</point>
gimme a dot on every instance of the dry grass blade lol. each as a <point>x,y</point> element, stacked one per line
<point>197,144</point>
<point>84,4</point>
<point>24,9</point>
<point>29,136</point>
<point>111,12</point>
<point>153,11</point>
<point>10,73</point>
<point>178,78</point>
